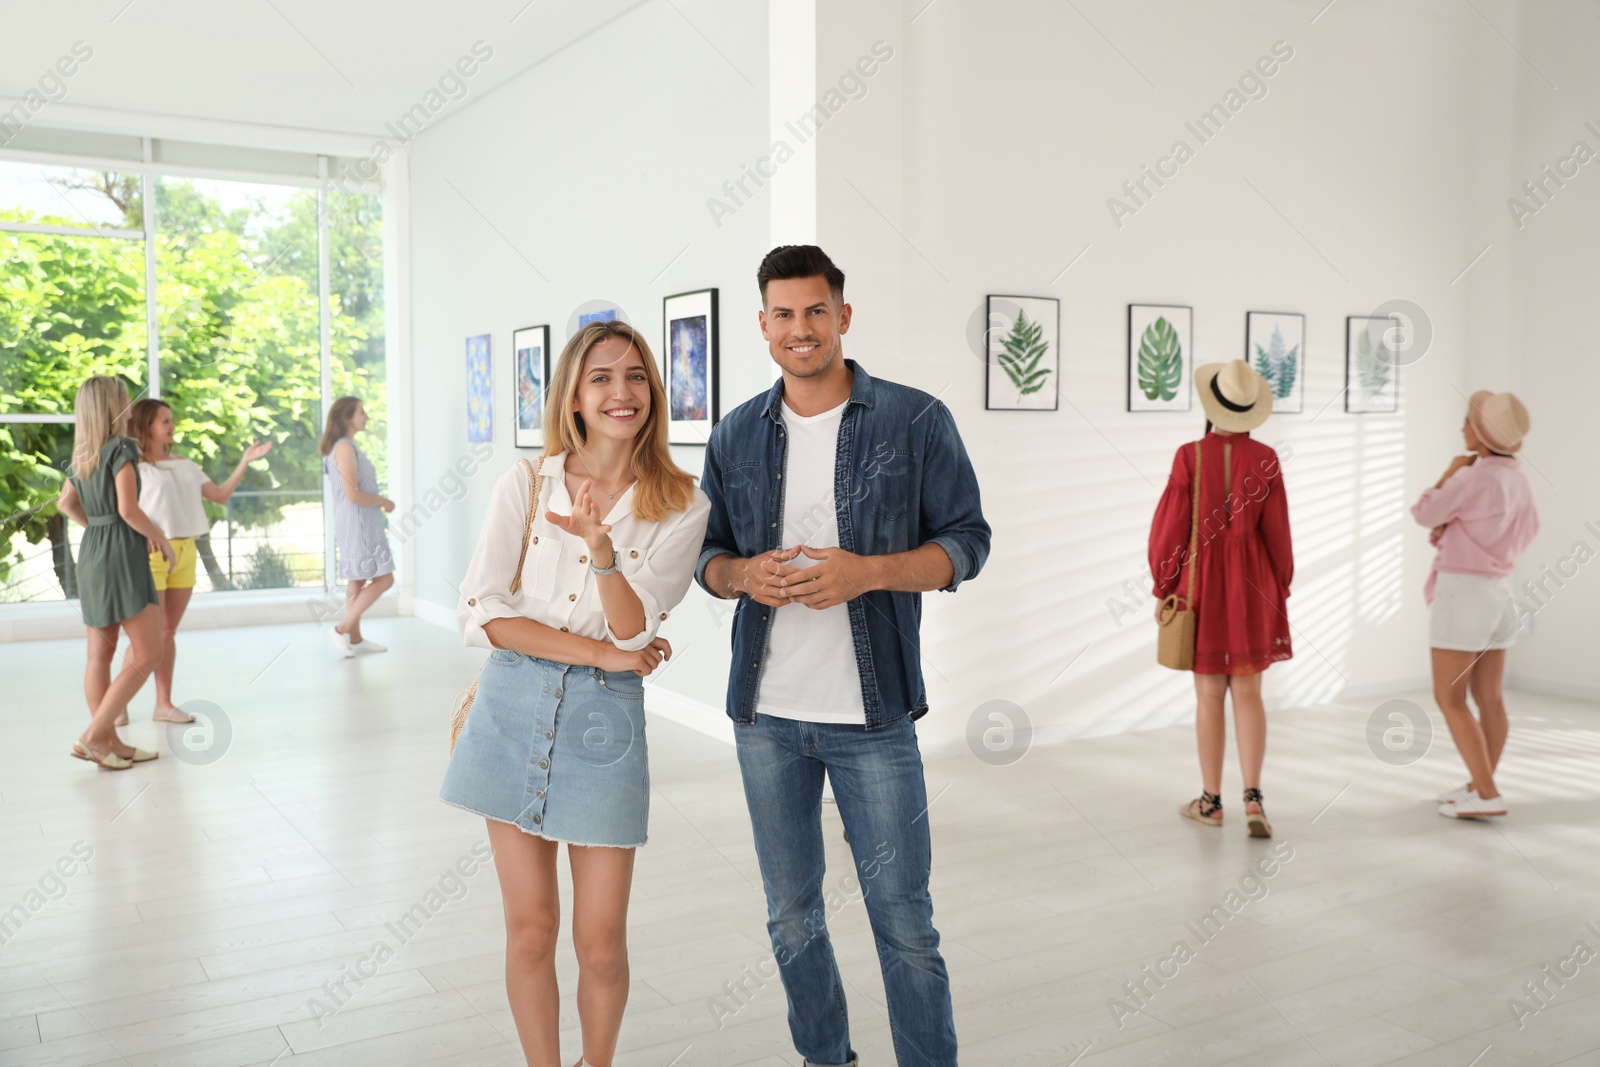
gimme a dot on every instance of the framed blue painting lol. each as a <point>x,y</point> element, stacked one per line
<point>480,390</point>
<point>690,365</point>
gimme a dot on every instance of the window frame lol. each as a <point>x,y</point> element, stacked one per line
<point>149,170</point>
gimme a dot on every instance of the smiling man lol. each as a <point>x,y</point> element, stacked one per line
<point>837,499</point>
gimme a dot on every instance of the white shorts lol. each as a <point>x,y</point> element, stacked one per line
<point>1471,613</point>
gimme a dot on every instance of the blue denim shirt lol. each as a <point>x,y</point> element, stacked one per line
<point>904,480</point>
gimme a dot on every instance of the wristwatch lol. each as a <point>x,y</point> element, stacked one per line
<point>605,570</point>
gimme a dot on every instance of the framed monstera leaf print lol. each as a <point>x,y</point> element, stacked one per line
<point>1160,357</point>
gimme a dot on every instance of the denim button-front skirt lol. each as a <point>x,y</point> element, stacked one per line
<point>556,750</point>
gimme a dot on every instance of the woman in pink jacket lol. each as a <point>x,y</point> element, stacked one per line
<point>1482,517</point>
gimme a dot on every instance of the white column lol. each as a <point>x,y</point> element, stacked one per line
<point>791,92</point>
<point>397,360</point>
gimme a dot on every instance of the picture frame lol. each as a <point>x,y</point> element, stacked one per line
<point>531,358</point>
<point>480,389</point>
<point>691,364</point>
<point>1371,371</point>
<point>1275,346</point>
<point>1022,360</point>
<point>1160,357</point>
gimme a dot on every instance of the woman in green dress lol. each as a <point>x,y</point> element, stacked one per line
<point>115,587</point>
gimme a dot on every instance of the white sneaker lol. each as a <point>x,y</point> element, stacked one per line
<point>1450,796</point>
<point>1468,805</point>
<point>367,645</point>
<point>342,643</point>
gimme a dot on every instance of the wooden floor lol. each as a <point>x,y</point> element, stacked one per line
<point>222,900</point>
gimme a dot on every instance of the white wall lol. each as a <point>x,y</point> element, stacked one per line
<point>979,160</point>
<point>587,178</point>
<point>1550,354</point>
<point>1334,193</point>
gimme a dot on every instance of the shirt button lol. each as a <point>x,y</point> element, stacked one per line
<point>572,596</point>
<point>780,476</point>
<point>548,734</point>
<point>663,616</point>
<point>560,692</point>
<point>634,554</point>
<point>544,764</point>
<point>536,539</point>
<point>583,559</point>
<point>563,629</point>
<point>538,792</point>
<point>774,524</point>
<point>472,601</point>
<point>537,820</point>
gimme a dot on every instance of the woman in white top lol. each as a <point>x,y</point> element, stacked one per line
<point>171,491</point>
<point>553,749</point>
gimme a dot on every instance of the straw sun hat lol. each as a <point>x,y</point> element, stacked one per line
<point>1499,420</point>
<point>1234,396</point>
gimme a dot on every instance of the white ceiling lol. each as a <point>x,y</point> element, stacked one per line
<point>344,66</point>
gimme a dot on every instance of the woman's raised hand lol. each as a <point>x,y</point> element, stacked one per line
<point>256,451</point>
<point>584,521</point>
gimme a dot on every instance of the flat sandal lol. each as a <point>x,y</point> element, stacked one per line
<point>110,761</point>
<point>1206,808</point>
<point>1256,821</point>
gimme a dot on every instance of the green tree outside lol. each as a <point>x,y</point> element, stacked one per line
<point>239,341</point>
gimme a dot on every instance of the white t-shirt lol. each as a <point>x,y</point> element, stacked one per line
<point>810,673</point>
<point>169,492</point>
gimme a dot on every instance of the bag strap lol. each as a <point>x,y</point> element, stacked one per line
<point>1194,526</point>
<point>535,487</point>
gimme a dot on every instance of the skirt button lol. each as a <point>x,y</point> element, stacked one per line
<point>543,764</point>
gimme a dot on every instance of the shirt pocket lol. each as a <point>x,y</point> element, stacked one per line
<point>630,558</point>
<point>540,569</point>
<point>744,488</point>
<point>886,484</point>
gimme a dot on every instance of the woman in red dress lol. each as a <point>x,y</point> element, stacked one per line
<point>1243,566</point>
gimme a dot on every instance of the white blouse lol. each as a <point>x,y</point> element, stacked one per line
<point>169,493</point>
<point>558,589</point>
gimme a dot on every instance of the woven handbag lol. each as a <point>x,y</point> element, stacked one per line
<point>1175,643</point>
<point>463,701</point>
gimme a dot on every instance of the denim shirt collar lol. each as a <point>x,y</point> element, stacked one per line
<point>861,392</point>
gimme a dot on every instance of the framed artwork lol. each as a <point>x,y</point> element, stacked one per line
<point>1275,345</point>
<point>1160,357</point>
<point>1371,369</point>
<point>690,365</point>
<point>601,315</point>
<point>1023,364</point>
<point>480,390</point>
<point>530,349</point>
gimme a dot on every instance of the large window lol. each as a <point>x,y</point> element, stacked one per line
<point>237,324</point>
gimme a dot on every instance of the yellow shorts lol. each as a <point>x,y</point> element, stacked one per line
<point>181,574</point>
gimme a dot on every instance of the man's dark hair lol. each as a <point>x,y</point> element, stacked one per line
<point>800,261</point>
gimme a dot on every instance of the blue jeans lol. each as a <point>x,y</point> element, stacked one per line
<point>877,782</point>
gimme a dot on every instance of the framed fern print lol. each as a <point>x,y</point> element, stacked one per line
<point>1371,365</point>
<point>1275,345</point>
<point>1160,357</point>
<point>1024,364</point>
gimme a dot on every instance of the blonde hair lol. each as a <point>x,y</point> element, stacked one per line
<point>662,486</point>
<point>100,413</point>
<point>339,415</point>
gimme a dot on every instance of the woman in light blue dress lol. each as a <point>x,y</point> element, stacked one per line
<point>365,561</point>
